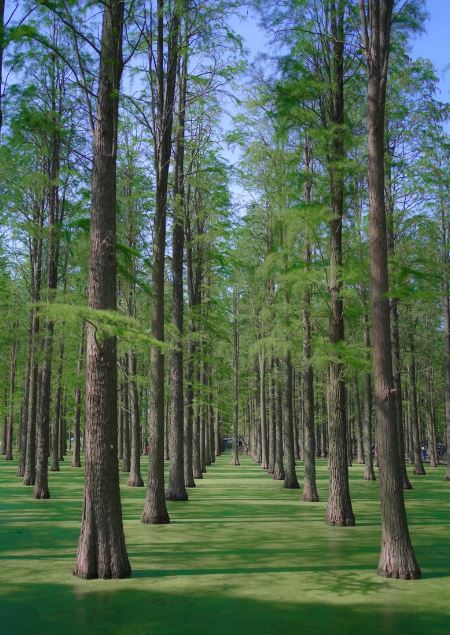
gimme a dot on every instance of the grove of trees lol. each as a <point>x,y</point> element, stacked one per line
<point>156,300</point>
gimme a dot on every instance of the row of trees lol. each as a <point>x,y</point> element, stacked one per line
<point>343,222</point>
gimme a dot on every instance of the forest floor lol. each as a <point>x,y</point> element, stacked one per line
<point>243,555</point>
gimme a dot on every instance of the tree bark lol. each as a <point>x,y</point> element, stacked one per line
<point>55,429</point>
<point>416,436</point>
<point>155,510</point>
<point>263,412</point>
<point>176,489</point>
<point>290,476</point>
<point>235,389</point>
<point>76,456</point>
<point>101,549</point>
<point>339,508</point>
<point>36,266</point>
<point>397,558</point>
<point>135,478</point>
<point>12,380</point>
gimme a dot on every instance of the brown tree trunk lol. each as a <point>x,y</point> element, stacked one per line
<point>25,403</point>
<point>263,412</point>
<point>235,379</point>
<point>431,430</point>
<point>101,549</point>
<point>369,474</point>
<point>55,429</point>
<point>359,427</point>
<point>290,476</point>
<point>309,435</point>
<point>12,380</point>
<point>76,456</point>
<point>217,444</point>
<point>135,478</point>
<point>272,426</point>
<point>155,510</point>
<point>397,559</point>
<point>56,212</point>
<point>29,476</point>
<point>416,435</point>
<point>278,468</point>
<point>176,489</point>
<point>339,508</point>
<point>395,337</point>
<point>126,459</point>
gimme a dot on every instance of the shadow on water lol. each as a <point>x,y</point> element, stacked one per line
<point>31,609</point>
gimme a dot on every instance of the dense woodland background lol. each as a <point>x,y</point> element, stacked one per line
<point>244,299</point>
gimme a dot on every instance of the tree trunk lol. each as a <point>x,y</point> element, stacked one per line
<point>397,559</point>
<point>101,549</point>
<point>155,510</point>
<point>359,427</point>
<point>126,459</point>
<point>135,478</point>
<point>309,437</point>
<point>263,412</point>
<point>36,265</point>
<point>235,393</point>
<point>339,508</point>
<point>25,403</point>
<point>176,489</point>
<point>416,436</point>
<point>272,426</point>
<point>290,476</point>
<point>278,468</point>
<point>56,423</point>
<point>76,456</point>
<point>12,380</point>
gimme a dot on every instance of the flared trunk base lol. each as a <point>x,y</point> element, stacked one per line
<point>135,480</point>
<point>150,518</point>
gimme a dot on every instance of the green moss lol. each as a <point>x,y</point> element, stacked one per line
<point>243,555</point>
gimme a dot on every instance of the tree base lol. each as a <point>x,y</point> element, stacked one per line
<point>110,570</point>
<point>76,463</point>
<point>41,493</point>
<point>264,466</point>
<point>55,468</point>
<point>135,480</point>
<point>447,477</point>
<point>235,461</point>
<point>177,495</point>
<point>407,484</point>
<point>340,516</point>
<point>8,457</point>
<point>189,483</point>
<point>20,472</point>
<point>29,480</point>
<point>310,494</point>
<point>398,564</point>
<point>291,483</point>
<point>198,475</point>
<point>417,471</point>
<point>278,475</point>
<point>148,518</point>
<point>369,476</point>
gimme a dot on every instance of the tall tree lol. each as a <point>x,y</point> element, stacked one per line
<point>155,510</point>
<point>101,550</point>
<point>397,558</point>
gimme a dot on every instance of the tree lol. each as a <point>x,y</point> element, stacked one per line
<point>397,558</point>
<point>101,549</point>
